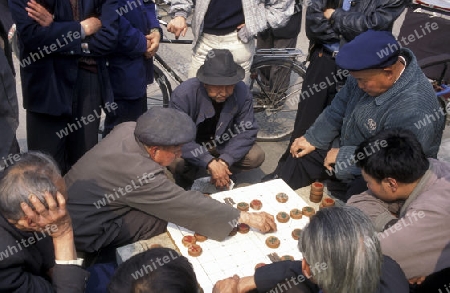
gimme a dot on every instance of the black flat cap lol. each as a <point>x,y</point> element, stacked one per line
<point>371,49</point>
<point>164,127</point>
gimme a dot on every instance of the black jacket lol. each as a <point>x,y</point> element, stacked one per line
<point>24,264</point>
<point>49,55</point>
<point>268,277</point>
<point>346,25</point>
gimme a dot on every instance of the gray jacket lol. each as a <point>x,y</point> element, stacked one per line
<point>116,176</point>
<point>259,15</point>
<point>354,116</point>
<point>420,240</point>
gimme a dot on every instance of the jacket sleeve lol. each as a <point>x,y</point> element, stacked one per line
<point>105,39</point>
<point>239,145</point>
<point>69,278</point>
<point>377,210</point>
<point>190,209</point>
<point>277,12</point>
<point>132,40</point>
<point>192,151</point>
<point>15,278</point>
<point>181,8</point>
<point>274,275</point>
<point>37,38</point>
<point>318,29</point>
<point>352,23</point>
<point>329,123</point>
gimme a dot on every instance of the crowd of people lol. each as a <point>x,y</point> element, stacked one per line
<point>70,201</point>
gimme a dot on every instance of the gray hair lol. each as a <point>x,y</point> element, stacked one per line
<point>346,241</point>
<point>34,173</point>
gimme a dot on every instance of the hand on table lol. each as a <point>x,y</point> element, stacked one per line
<point>262,221</point>
<point>37,12</point>
<point>177,26</point>
<point>220,174</point>
<point>301,147</point>
<point>330,159</point>
<point>228,285</point>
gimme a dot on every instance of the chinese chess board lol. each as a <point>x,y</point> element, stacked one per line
<point>240,253</point>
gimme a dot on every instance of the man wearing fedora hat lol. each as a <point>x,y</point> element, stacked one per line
<point>221,106</point>
<point>118,192</point>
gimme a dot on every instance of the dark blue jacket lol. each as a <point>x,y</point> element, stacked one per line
<point>129,70</point>
<point>49,55</point>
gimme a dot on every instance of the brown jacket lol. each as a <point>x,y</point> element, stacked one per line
<point>420,240</point>
<point>116,176</point>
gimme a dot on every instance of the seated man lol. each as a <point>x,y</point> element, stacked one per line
<point>337,258</point>
<point>154,271</point>
<point>408,199</point>
<point>386,89</point>
<point>221,106</point>
<point>36,230</point>
<point>119,192</point>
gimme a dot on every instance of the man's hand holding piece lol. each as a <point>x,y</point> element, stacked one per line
<point>228,285</point>
<point>262,221</point>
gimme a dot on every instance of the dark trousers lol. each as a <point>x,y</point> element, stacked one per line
<point>301,172</point>
<point>127,110</point>
<point>136,225</point>
<point>67,138</point>
<point>9,114</point>
<point>267,40</point>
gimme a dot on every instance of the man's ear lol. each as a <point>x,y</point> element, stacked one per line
<point>306,269</point>
<point>390,183</point>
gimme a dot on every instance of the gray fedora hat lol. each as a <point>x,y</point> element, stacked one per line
<point>220,69</point>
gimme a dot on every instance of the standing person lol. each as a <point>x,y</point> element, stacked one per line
<point>228,25</point>
<point>131,63</point>
<point>425,31</point>
<point>328,25</point>
<point>282,37</point>
<point>9,112</point>
<point>220,105</point>
<point>63,70</point>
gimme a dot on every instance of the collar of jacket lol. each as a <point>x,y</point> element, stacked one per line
<point>403,80</point>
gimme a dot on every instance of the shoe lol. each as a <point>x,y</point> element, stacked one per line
<point>269,176</point>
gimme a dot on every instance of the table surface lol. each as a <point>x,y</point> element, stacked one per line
<point>240,253</point>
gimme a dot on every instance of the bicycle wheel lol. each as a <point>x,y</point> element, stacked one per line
<point>276,85</point>
<point>158,93</point>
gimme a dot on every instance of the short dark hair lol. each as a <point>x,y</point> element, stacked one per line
<point>143,273</point>
<point>402,157</point>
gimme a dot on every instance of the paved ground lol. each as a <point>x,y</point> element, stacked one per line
<point>178,56</point>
